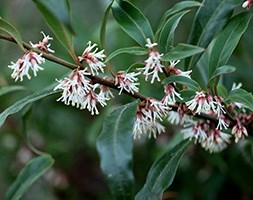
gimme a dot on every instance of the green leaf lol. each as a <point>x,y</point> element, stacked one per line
<point>103,25</point>
<point>166,38</point>
<point>191,84</point>
<point>115,149</point>
<point>182,51</point>
<point>226,69</point>
<point>31,172</point>
<point>132,21</point>
<point>175,9</point>
<point>162,173</point>
<point>209,21</point>
<point>16,107</point>
<point>12,88</point>
<point>227,40</point>
<point>12,31</point>
<point>241,96</point>
<point>222,91</point>
<point>129,50</point>
<point>57,26</point>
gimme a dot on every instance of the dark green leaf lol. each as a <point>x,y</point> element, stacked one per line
<point>182,51</point>
<point>166,38</point>
<point>187,95</point>
<point>209,21</point>
<point>162,173</point>
<point>31,172</point>
<point>132,21</point>
<point>16,107</point>
<point>57,26</point>
<point>135,66</point>
<point>115,149</point>
<point>128,50</point>
<point>176,8</point>
<point>241,96</point>
<point>227,40</point>
<point>191,84</point>
<point>103,25</point>
<point>12,31</point>
<point>222,91</point>
<point>226,69</point>
<point>12,88</point>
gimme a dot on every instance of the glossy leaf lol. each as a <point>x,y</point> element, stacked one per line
<point>12,88</point>
<point>209,21</point>
<point>103,25</point>
<point>182,51</point>
<point>19,105</point>
<point>166,38</point>
<point>57,26</point>
<point>162,173</point>
<point>227,40</point>
<point>191,84</point>
<point>132,21</point>
<point>175,9</point>
<point>12,31</point>
<point>128,50</point>
<point>226,69</point>
<point>115,149</point>
<point>241,96</point>
<point>31,172</point>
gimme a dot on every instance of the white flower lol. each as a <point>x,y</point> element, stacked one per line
<point>196,132</point>
<point>200,103</point>
<point>247,4</point>
<point>150,45</point>
<point>222,123</point>
<point>176,71</point>
<point>44,44</point>
<point>170,95</point>
<point>178,119</point>
<point>93,58</point>
<point>127,81</point>
<point>74,88</point>
<point>30,60</point>
<point>239,131</point>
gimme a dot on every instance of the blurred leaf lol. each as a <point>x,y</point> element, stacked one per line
<point>115,149</point>
<point>209,21</point>
<point>132,21</point>
<point>31,172</point>
<point>227,40</point>
<point>103,25</point>
<point>57,26</point>
<point>129,50</point>
<point>191,84</point>
<point>12,31</point>
<point>187,95</point>
<point>222,91</point>
<point>241,96</point>
<point>135,66</point>
<point>12,88</point>
<point>182,51</point>
<point>162,173</point>
<point>166,38</point>
<point>176,8</point>
<point>16,107</point>
<point>226,69</point>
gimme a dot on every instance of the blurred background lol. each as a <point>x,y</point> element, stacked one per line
<point>69,134</point>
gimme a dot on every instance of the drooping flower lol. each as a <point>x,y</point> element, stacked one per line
<point>170,95</point>
<point>196,131</point>
<point>180,117</point>
<point>127,81</point>
<point>239,130</point>
<point>93,58</point>
<point>75,87</point>
<point>44,45</point>
<point>247,4</point>
<point>176,71</point>
<point>30,60</point>
<point>153,63</point>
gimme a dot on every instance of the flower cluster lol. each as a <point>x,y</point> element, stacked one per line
<point>247,4</point>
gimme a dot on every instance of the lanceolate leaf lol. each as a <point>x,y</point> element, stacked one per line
<point>182,51</point>
<point>209,21</point>
<point>57,26</point>
<point>31,172</point>
<point>191,84</point>
<point>227,40</point>
<point>12,31</point>
<point>166,38</point>
<point>16,107</point>
<point>162,173</point>
<point>115,149</point>
<point>128,50</point>
<point>241,96</point>
<point>132,21</point>
<point>175,9</point>
<point>12,88</point>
